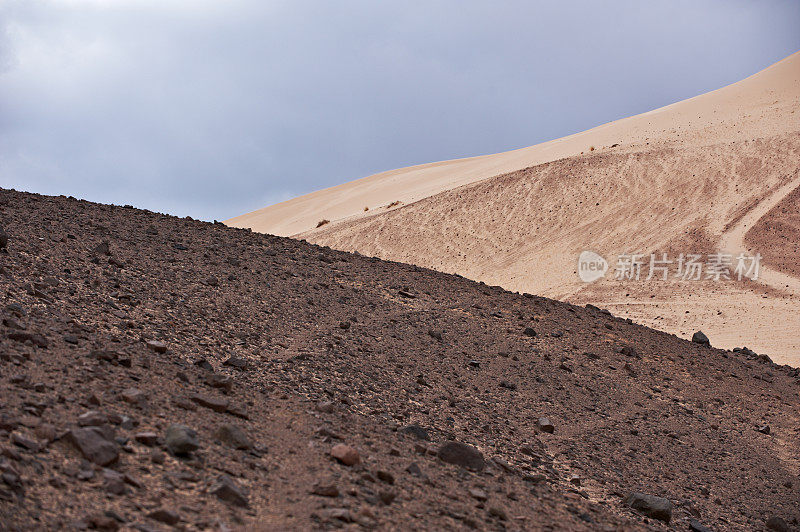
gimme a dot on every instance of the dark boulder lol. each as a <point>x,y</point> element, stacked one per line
<point>462,455</point>
<point>181,440</point>
<point>227,490</point>
<point>700,338</point>
<point>650,505</point>
<point>416,431</point>
<point>545,425</point>
<point>777,524</point>
<point>96,444</point>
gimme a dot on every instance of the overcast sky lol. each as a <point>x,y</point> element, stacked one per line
<point>215,108</point>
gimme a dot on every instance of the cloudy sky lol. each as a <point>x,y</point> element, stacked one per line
<point>215,108</point>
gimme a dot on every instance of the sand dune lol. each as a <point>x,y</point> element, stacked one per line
<point>766,101</point>
<point>692,177</point>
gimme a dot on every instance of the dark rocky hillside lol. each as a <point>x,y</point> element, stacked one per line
<point>158,373</point>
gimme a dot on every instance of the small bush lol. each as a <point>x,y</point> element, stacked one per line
<point>366,209</point>
<point>323,222</point>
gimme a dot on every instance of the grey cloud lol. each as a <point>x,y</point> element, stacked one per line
<point>211,109</point>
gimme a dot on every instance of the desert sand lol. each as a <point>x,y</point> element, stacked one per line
<point>718,172</point>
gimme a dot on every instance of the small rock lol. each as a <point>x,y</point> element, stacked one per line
<point>478,494</point>
<point>416,431</point>
<point>46,432</point>
<point>325,489</point>
<point>387,497</point>
<point>104,355</point>
<point>545,425</point>
<point>227,490</point>
<point>180,440</point>
<point>36,339</point>
<point>700,338</point>
<point>96,444</point>
<point>529,332</point>
<point>134,396</point>
<point>414,469</point>
<point>325,432</point>
<point>157,346</point>
<point>16,309</point>
<point>498,513</point>
<point>215,404</point>
<point>27,443</point>
<point>92,418</point>
<point>202,363</point>
<point>385,476</point>
<point>146,438</point>
<point>777,524</point>
<point>165,516</point>
<point>236,362</point>
<point>508,385</point>
<point>697,526</point>
<point>630,351</point>
<point>345,454</point>
<point>102,248</point>
<point>222,382</point>
<point>113,482</point>
<point>650,505</point>
<point>436,335</point>
<point>233,436</point>
<point>340,514</point>
<point>102,522</point>
<point>326,407</point>
<point>157,457</point>
<point>131,480</point>
<point>3,238</point>
<point>763,429</point>
<point>11,323</point>
<point>462,455</point>
<point>237,411</point>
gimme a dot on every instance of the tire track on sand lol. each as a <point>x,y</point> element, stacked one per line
<point>732,240</point>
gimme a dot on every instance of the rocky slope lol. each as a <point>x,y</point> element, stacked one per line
<point>159,372</point>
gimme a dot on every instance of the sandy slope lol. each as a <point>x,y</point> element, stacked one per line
<point>692,177</point>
